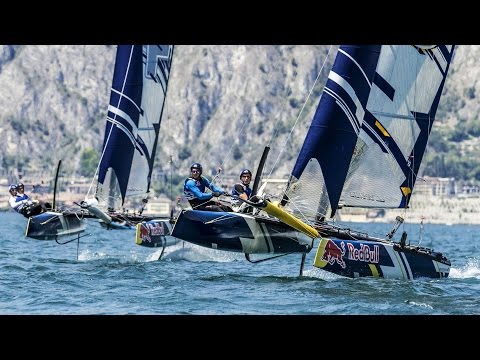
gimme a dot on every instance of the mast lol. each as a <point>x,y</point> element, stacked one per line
<point>55,185</point>
<point>258,174</point>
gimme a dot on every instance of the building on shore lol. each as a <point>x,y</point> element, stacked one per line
<point>436,200</point>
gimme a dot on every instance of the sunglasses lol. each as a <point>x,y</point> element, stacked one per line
<point>195,172</point>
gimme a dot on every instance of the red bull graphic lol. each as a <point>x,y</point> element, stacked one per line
<point>364,253</point>
<point>156,228</point>
<point>333,253</point>
<point>151,229</point>
<point>144,234</point>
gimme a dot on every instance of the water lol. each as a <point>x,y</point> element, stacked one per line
<point>113,275</point>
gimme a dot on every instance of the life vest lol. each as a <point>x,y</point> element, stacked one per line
<point>22,197</point>
<point>198,183</point>
<point>246,189</point>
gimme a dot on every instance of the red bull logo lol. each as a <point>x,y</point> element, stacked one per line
<point>364,253</point>
<point>144,233</point>
<point>333,253</point>
<point>151,229</point>
<point>156,228</point>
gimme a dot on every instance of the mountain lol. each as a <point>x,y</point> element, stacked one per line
<point>224,104</point>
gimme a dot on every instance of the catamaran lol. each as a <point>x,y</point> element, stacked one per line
<point>364,148</point>
<point>56,223</point>
<point>124,172</point>
<point>137,99</point>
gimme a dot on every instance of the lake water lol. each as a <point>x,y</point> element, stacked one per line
<point>113,275</point>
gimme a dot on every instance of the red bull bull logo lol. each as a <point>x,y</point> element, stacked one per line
<point>144,233</point>
<point>333,253</point>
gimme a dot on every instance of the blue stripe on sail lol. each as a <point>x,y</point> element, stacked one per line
<point>387,144</point>
<point>447,55</point>
<point>128,80</point>
<point>375,134</point>
<point>136,68</point>
<point>384,86</point>
<point>345,102</point>
<point>424,122</point>
<point>357,64</point>
<point>163,63</point>
<point>119,116</point>
<point>331,138</point>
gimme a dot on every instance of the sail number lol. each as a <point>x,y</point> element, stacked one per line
<point>369,197</point>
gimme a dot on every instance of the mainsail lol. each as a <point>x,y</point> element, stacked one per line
<point>364,148</point>
<point>369,133</point>
<point>135,110</point>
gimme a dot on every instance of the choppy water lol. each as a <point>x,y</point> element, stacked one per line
<point>113,275</point>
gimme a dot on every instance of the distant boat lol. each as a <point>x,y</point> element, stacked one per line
<point>363,149</point>
<point>53,225</point>
<point>56,223</point>
<point>135,111</point>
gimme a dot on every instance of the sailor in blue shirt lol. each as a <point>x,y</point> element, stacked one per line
<point>194,190</point>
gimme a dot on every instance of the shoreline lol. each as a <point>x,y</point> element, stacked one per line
<point>427,209</point>
<point>423,208</point>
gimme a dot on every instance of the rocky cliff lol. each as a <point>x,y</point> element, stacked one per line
<point>224,103</point>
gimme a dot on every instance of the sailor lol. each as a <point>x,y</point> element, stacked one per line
<point>194,190</point>
<point>17,203</point>
<point>21,202</point>
<point>245,178</point>
<point>39,205</point>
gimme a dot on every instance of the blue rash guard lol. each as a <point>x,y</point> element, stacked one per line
<point>195,189</point>
<point>21,197</point>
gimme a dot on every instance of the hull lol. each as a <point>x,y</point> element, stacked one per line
<point>106,220</point>
<point>239,233</point>
<point>382,259</point>
<point>114,220</point>
<point>115,225</point>
<point>51,225</point>
<point>155,233</point>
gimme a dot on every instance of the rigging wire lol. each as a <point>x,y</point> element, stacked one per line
<point>113,121</point>
<point>275,67</point>
<point>282,148</point>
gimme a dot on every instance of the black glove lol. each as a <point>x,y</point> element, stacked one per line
<point>217,193</point>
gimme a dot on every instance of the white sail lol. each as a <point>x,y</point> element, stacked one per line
<point>391,146</point>
<point>370,131</point>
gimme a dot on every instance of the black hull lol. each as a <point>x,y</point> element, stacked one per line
<point>340,251</point>
<point>155,233</point>
<point>52,225</point>
<point>383,259</point>
<point>237,232</point>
